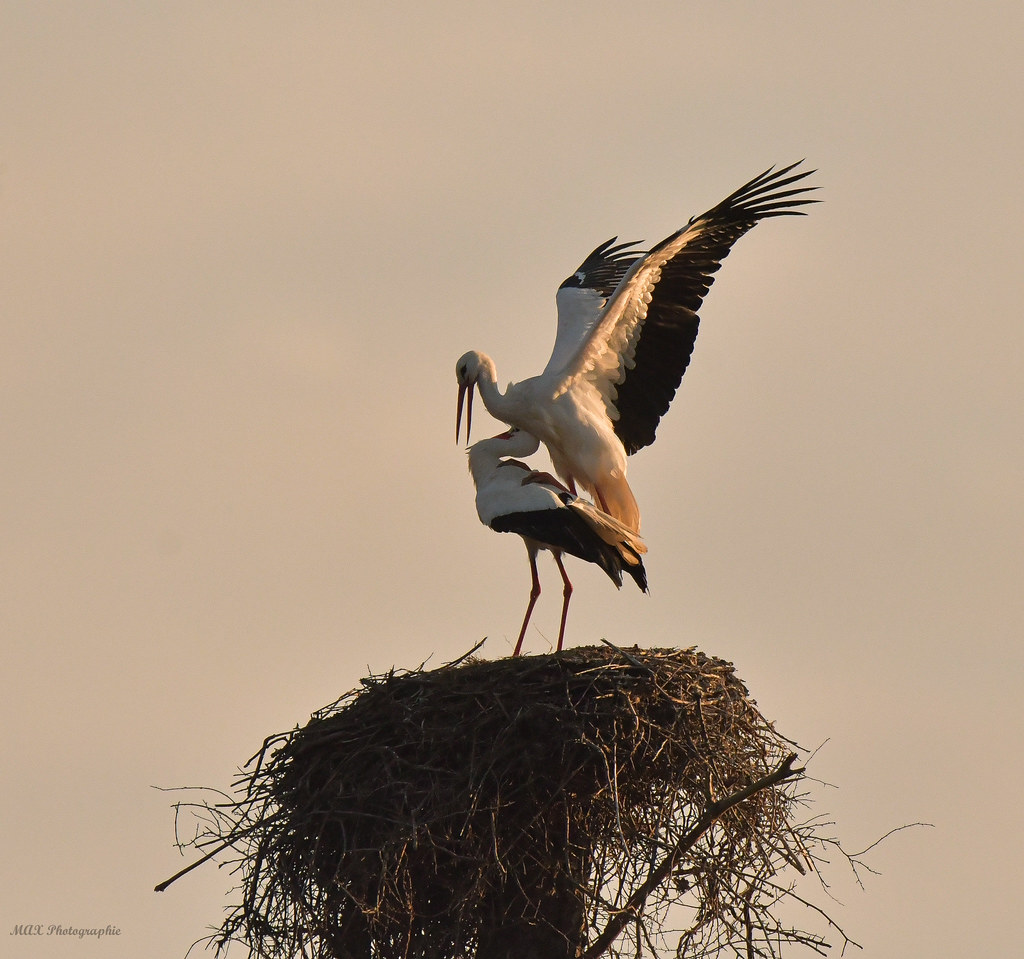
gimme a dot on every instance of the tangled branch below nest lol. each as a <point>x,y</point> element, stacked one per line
<point>545,805</point>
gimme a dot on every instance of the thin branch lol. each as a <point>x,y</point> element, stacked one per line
<point>235,835</point>
<point>161,886</point>
<point>661,872</point>
<point>465,656</point>
<point>882,838</point>
<point>632,660</point>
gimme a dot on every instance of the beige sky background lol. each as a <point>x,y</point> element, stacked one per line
<point>241,248</point>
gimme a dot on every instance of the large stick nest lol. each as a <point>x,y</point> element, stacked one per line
<point>459,811</point>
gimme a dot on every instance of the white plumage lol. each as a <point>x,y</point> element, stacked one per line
<point>627,322</point>
<point>512,498</point>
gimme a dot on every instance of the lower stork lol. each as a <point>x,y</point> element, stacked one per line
<point>512,498</point>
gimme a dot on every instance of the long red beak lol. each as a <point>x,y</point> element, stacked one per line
<point>464,389</point>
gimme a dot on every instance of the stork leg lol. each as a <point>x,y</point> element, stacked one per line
<point>566,593</point>
<point>534,593</point>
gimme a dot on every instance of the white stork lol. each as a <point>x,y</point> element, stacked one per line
<point>512,498</point>
<point>627,321</point>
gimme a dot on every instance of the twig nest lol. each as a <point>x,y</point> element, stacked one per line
<point>463,810</point>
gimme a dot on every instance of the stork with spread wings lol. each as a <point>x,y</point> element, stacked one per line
<point>627,322</point>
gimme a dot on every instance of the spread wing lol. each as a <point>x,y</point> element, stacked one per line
<point>636,351</point>
<point>582,296</point>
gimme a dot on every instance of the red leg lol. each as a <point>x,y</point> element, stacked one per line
<point>534,593</point>
<point>566,593</point>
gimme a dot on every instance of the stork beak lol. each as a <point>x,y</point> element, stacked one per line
<point>464,389</point>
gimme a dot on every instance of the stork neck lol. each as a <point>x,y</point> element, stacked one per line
<point>487,384</point>
<point>484,459</point>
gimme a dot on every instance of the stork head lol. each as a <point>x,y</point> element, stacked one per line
<point>485,456</point>
<point>515,442</point>
<point>467,372</point>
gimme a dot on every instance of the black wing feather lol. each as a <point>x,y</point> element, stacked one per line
<point>670,329</point>
<point>604,269</point>
<point>566,530</point>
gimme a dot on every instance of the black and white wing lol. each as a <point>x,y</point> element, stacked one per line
<point>582,296</point>
<point>580,529</point>
<point>636,351</point>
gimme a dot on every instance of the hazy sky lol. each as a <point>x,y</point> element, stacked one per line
<point>241,248</point>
